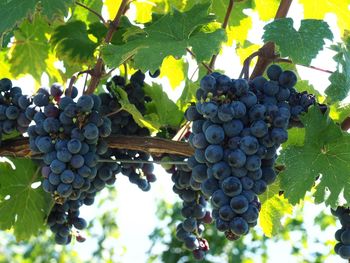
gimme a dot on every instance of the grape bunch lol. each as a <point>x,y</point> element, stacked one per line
<point>69,135</point>
<point>287,96</point>
<point>194,210</point>
<point>16,110</point>
<point>122,123</point>
<point>342,235</point>
<point>237,127</point>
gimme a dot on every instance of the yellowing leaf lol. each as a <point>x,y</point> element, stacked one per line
<point>54,73</point>
<point>266,8</point>
<point>30,49</point>
<point>173,69</point>
<point>150,124</point>
<point>112,7</point>
<point>4,66</point>
<point>272,211</point>
<point>318,10</point>
<point>240,32</point>
<point>143,11</point>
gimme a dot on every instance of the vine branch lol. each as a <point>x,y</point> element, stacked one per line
<point>97,71</point>
<point>19,147</point>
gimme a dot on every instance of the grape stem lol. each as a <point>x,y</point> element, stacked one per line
<point>92,11</point>
<point>246,65</point>
<point>71,83</point>
<point>74,78</point>
<point>114,112</point>
<point>98,70</point>
<point>223,26</point>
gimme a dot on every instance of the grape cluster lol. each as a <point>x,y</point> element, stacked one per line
<point>342,235</point>
<point>194,210</point>
<point>123,123</point>
<point>237,128</point>
<point>69,134</point>
<point>16,111</point>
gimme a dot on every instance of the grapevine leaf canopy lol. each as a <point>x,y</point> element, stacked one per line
<point>14,11</point>
<point>302,45</point>
<point>28,56</point>
<point>72,42</point>
<point>340,79</point>
<point>325,154</point>
<point>166,110</point>
<point>22,207</point>
<point>170,34</point>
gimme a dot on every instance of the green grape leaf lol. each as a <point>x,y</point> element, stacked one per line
<point>12,12</point>
<point>125,30</point>
<point>296,137</point>
<point>142,121</point>
<point>72,43</point>
<point>302,45</point>
<point>340,79</point>
<point>272,211</point>
<point>30,49</point>
<point>325,155</point>
<point>169,35</point>
<point>51,9</point>
<point>339,87</point>
<point>166,110</point>
<point>22,207</point>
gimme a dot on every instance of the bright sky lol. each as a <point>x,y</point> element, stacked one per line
<point>136,209</point>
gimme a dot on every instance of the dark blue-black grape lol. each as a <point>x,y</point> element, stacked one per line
<point>273,72</point>
<point>239,204</point>
<point>231,186</point>
<point>287,79</point>
<point>239,226</point>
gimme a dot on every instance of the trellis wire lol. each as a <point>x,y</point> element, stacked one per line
<point>125,161</point>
